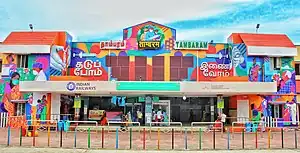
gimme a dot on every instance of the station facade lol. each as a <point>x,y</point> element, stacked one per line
<point>46,76</point>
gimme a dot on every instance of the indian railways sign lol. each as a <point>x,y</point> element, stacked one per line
<point>191,45</point>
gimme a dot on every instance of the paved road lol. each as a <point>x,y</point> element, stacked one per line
<point>54,150</point>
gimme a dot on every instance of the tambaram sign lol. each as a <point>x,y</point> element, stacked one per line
<point>119,44</point>
<point>191,45</point>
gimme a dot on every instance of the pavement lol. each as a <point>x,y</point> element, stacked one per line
<point>55,150</point>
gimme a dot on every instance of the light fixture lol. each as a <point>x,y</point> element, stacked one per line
<point>31,27</point>
<point>257,27</point>
<point>184,97</point>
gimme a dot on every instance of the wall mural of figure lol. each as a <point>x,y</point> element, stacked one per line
<point>42,108</point>
<point>254,71</point>
<point>11,92</point>
<point>60,58</point>
<point>39,72</point>
<point>9,65</point>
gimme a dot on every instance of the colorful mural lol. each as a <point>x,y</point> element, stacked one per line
<point>286,86</point>
<point>38,70</point>
<point>60,56</point>
<point>163,64</point>
<point>239,59</point>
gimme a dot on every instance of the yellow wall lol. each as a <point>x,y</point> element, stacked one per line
<point>297,58</point>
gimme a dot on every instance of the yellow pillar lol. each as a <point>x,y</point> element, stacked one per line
<point>167,68</point>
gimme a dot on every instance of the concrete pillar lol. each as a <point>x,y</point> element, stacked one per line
<point>85,107</point>
<point>212,109</point>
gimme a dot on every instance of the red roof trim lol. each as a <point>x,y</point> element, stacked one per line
<point>267,40</point>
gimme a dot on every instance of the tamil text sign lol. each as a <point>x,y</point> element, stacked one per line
<point>149,45</point>
<point>113,44</point>
<point>88,68</point>
<point>215,70</point>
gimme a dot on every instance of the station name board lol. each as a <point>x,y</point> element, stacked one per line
<point>149,45</point>
<point>191,45</point>
<point>121,44</point>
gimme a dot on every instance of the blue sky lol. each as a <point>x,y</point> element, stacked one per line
<point>205,20</point>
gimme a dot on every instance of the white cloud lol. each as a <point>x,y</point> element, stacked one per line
<point>94,17</point>
<point>207,34</point>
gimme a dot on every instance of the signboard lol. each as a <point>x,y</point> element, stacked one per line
<point>150,37</point>
<point>215,70</point>
<point>149,45</point>
<point>113,44</point>
<point>88,68</point>
<point>220,102</point>
<point>191,45</point>
<point>95,114</point>
<point>77,102</point>
<point>84,86</point>
<point>148,109</point>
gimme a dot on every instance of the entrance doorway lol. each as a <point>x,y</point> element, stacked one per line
<point>164,107</point>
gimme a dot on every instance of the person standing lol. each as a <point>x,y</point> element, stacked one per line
<point>159,115</point>
<point>191,119</point>
<point>139,116</point>
<point>223,120</point>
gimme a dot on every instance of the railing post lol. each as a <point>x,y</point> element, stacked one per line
<point>243,139</point>
<point>89,138</point>
<point>21,135</point>
<point>158,139</point>
<point>214,139</point>
<point>185,139</point>
<point>296,141</point>
<point>61,137</point>
<point>269,139</point>
<point>75,138</point>
<point>130,138</point>
<point>8,136</point>
<point>172,138</point>
<point>102,138</point>
<point>48,134</point>
<point>33,135</point>
<point>256,139</point>
<point>144,138</point>
<point>282,144</point>
<point>117,138</point>
<point>200,138</point>
<point>228,140</point>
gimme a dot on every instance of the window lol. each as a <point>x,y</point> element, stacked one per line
<point>22,61</point>
<point>158,68</point>
<point>275,63</point>
<point>119,67</point>
<point>0,66</point>
<point>297,69</point>
<point>179,67</point>
<point>20,107</point>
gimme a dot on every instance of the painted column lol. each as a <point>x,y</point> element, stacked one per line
<point>131,68</point>
<point>148,109</point>
<point>149,69</point>
<point>167,68</point>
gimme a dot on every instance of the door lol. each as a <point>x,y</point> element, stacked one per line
<point>242,110</point>
<point>164,105</point>
<point>175,111</point>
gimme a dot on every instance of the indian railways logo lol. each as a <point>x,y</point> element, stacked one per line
<point>71,86</point>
